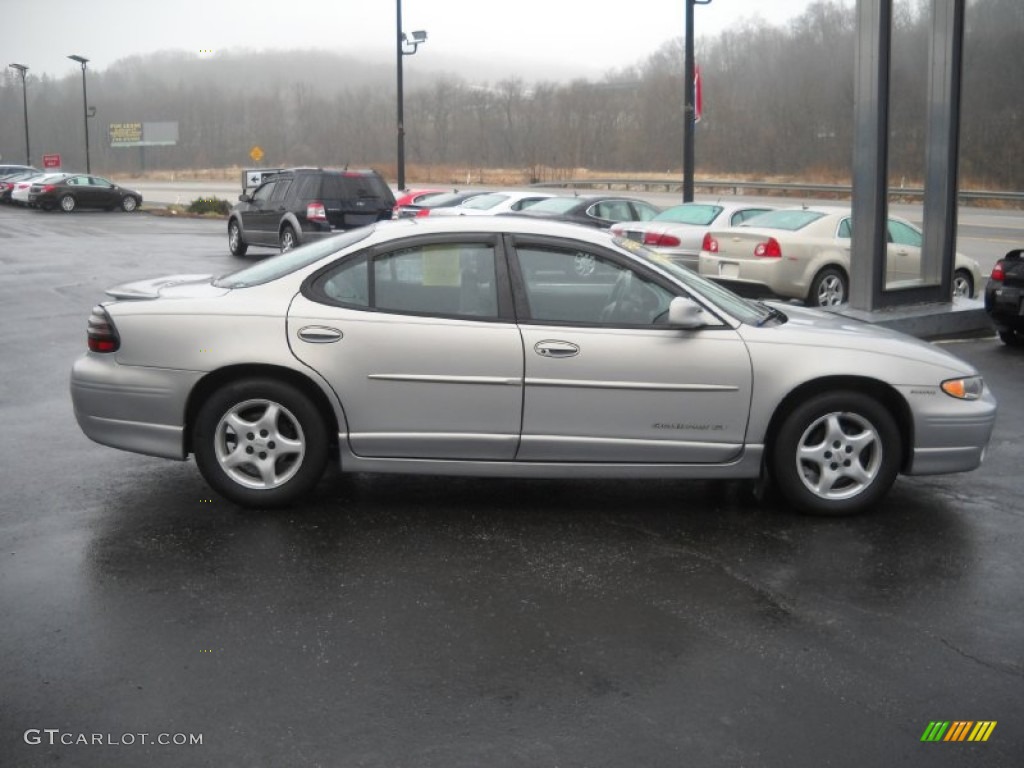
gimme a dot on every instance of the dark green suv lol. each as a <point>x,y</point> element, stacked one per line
<point>301,205</point>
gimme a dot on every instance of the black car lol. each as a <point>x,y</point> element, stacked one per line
<point>301,205</point>
<point>1004,297</point>
<point>591,210</point>
<point>83,191</point>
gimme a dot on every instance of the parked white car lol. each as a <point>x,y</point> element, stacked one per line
<point>494,203</point>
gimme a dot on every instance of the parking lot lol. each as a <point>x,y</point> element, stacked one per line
<point>416,621</point>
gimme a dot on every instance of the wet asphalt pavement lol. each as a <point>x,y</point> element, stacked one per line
<point>404,621</point>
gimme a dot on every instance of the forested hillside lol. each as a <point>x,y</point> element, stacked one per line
<point>777,100</point>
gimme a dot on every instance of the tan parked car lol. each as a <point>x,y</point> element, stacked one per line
<point>804,253</point>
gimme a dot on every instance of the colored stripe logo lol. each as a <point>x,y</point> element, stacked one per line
<point>958,730</point>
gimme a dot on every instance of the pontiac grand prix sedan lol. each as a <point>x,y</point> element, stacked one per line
<point>472,346</point>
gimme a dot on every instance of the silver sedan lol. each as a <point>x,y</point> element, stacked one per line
<point>472,346</point>
<point>678,232</point>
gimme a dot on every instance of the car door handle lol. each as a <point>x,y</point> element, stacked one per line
<point>556,349</point>
<point>319,334</point>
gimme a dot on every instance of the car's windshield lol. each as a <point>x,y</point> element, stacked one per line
<point>688,213</point>
<point>288,262</point>
<point>788,219</point>
<point>736,306</point>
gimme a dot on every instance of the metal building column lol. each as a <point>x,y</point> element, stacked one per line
<point>870,153</point>
<point>945,64</point>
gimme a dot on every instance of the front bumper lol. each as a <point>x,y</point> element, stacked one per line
<point>949,435</point>
<point>131,407</point>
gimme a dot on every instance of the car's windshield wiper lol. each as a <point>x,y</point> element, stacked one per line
<point>771,313</point>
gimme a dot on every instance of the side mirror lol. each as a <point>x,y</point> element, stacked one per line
<point>244,198</point>
<point>685,313</point>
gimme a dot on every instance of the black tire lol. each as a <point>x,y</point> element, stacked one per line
<point>236,244</point>
<point>963,284</point>
<point>278,461</point>
<point>850,443</point>
<point>1011,338</point>
<point>288,239</point>
<point>67,203</point>
<point>129,203</point>
<point>829,288</point>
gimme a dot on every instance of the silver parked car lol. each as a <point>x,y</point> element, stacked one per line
<point>473,346</point>
<point>678,232</point>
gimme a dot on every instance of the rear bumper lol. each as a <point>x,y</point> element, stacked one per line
<point>132,408</point>
<point>1005,305</point>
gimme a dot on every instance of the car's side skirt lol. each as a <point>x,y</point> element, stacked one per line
<point>746,465</point>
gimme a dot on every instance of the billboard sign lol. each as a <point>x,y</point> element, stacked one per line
<point>143,134</point>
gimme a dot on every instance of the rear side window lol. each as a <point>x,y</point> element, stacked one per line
<point>307,187</point>
<point>341,187</point>
<point>789,220</point>
<point>446,279</point>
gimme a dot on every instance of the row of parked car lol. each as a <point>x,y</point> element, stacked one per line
<point>46,190</point>
<point>798,253</point>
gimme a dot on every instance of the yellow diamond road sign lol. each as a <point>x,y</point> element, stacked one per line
<point>256,153</point>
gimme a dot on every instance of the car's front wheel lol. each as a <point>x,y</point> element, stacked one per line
<point>129,203</point>
<point>288,239</point>
<point>260,443</point>
<point>237,245</point>
<point>67,203</point>
<point>837,453</point>
<point>828,289</point>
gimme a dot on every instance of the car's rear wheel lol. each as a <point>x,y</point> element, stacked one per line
<point>288,239</point>
<point>67,203</point>
<point>237,245</point>
<point>1011,338</point>
<point>129,203</point>
<point>260,443</point>
<point>828,289</point>
<point>963,284</point>
<point>836,454</point>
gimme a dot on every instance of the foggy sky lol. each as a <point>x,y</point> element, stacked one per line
<point>555,38</point>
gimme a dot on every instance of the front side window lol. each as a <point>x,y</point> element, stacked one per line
<point>583,288</point>
<point>263,194</point>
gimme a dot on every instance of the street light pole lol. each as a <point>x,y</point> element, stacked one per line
<point>24,96</point>
<point>85,109</point>
<point>689,108</point>
<point>400,43</point>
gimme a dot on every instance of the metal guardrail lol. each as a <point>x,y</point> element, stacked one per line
<point>742,187</point>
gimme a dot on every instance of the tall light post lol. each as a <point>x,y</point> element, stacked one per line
<point>85,109</point>
<point>24,97</point>
<point>690,107</point>
<point>402,48</point>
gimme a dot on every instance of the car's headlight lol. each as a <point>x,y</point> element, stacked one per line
<point>967,388</point>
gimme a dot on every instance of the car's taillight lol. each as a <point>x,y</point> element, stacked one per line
<point>422,212</point>
<point>102,333</point>
<point>998,273</point>
<point>315,211</point>
<point>618,229</point>
<point>48,188</point>
<point>769,249</point>
<point>660,238</point>
<point>709,244</point>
